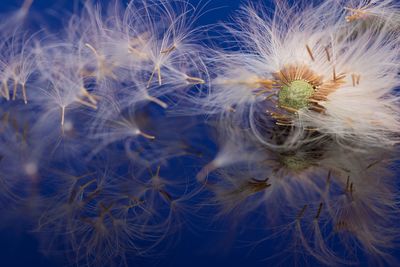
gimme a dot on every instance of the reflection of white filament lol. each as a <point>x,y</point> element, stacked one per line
<point>31,169</point>
<point>26,5</point>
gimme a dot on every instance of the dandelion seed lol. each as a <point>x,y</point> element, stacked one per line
<point>356,13</point>
<point>103,69</point>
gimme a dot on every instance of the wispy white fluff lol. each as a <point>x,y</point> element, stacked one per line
<point>86,93</point>
<point>366,112</point>
<point>373,11</point>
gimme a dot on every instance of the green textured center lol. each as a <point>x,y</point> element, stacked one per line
<point>295,95</point>
<point>295,162</point>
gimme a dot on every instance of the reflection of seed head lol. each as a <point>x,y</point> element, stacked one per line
<point>295,162</point>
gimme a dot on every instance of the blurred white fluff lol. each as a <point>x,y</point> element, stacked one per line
<point>123,56</point>
<point>147,43</point>
<point>84,94</point>
<point>15,19</point>
<point>354,73</point>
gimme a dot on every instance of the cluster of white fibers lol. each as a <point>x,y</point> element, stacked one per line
<point>373,11</point>
<point>349,74</point>
<point>84,136</point>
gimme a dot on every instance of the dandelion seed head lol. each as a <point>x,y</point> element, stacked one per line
<point>321,62</point>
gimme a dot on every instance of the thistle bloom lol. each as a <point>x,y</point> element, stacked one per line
<point>314,71</point>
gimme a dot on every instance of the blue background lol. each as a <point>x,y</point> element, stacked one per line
<point>195,247</point>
